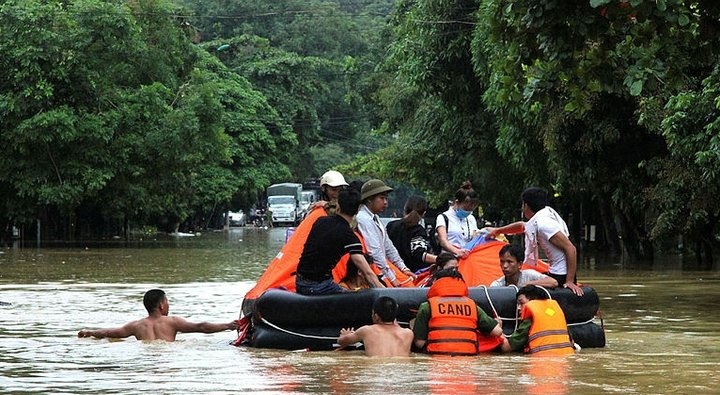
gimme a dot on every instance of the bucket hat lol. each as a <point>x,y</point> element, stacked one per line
<point>372,188</point>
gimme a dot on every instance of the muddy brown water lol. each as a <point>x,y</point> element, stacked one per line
<point>661,326</point>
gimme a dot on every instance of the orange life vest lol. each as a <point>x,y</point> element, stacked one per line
<point>548,332</point>
<point>453,319</point>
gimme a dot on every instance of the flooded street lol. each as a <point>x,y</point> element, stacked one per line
<point>661,329</point>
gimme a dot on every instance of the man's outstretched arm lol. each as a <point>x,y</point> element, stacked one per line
<point>185,326</point>
<point>117,333</point>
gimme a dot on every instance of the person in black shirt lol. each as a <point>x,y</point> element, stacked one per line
<point>329,239</point>
<point>409,237</point>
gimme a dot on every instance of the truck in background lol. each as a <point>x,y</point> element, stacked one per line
<point>284,201</point>
<point>308,197</point>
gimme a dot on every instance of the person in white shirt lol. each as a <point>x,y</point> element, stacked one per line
<point>456,226</point>
<point>374,201</point>
<point>511,261</point>
<point>546,229</point>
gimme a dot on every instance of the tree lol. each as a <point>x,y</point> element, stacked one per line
<point>109,108</point>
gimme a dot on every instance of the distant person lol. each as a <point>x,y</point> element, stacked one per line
<point>409,237</point>
<point>448,322</point>
<point>511,261</point>
<point>157,325</point>
<point>456,226</point>
<point>380,247</point>
<point>268,217</point>
<point>542,329</point>
<point>545,228</point>
<point>384,338</point>
<point>329,239</point>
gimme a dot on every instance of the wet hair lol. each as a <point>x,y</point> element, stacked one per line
<point>466,193</point>
<point>415,207</point>
<point>536,198</point>
<point>515,251</point>
<point>386,308</point>
<point>452,273</point>
<point>356,185</point>
<point>152,299</point>
<point>443,258</point>
<point>415,203</point>
<point>351,272</point>
<point>349,201</point>
<point>532,292</point>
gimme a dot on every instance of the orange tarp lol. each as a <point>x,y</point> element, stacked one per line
<point>481,267</point>
<point>278,273</point>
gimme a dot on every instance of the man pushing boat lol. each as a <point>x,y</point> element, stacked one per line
<point>384,338</point>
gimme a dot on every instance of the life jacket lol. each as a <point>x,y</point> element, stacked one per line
<point>548,332</point>
<point>341,268</point>
<point>453,319</point>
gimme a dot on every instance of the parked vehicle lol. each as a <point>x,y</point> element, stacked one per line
<point>236,218</point>
<point>284,202</point>
<point>307,198</point>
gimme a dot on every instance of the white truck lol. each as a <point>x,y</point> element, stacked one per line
<point>309,196</point>
<point>284,202</point>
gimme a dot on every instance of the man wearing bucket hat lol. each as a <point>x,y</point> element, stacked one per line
<point>374,196</point>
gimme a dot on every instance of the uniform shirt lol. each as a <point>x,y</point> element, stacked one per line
<point>329,239</point>
<point>485,323</point>
<point>519,339</point>
<point>526,275</point>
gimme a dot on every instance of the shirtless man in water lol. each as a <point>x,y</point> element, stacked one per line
<point>384,338</point>
<point>157,325</point>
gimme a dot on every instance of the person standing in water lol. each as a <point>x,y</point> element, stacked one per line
<point>157,325</point>
<point>384,338</point>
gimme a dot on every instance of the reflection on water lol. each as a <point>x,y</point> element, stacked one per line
<point>660,323</point>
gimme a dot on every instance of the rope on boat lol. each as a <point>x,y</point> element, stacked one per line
<point>487,295</point>
<point>581,323</point>
<point>546,291</point>
<point>270,324</point>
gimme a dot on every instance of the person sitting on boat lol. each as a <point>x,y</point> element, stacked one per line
<point>384,338</point>
<point>331,183</point>
<point>409,237</point>
<point>157,325</point>
<point>445,260</point>
<point>542,329</point>
<point>329,239</point>
<point>545,228</point>
<point>374,201</point>
<point>511,261</point>
<point>448,322</point>
<point>456,226</point>
<point>353,280</point>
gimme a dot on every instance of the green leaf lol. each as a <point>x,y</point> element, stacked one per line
<point>683,20</point>
<point>636,88</point>
<point>661,5</point>
<point>598,3</point>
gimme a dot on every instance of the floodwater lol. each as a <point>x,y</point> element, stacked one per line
<point>661,327</point>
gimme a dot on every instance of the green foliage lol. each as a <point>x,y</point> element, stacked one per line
<point>110,105</point>
<point>690,177</point>
<point>569,79</point>
<point>445,135</point>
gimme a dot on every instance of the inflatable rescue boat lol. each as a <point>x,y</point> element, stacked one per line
<point>274,316</point>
